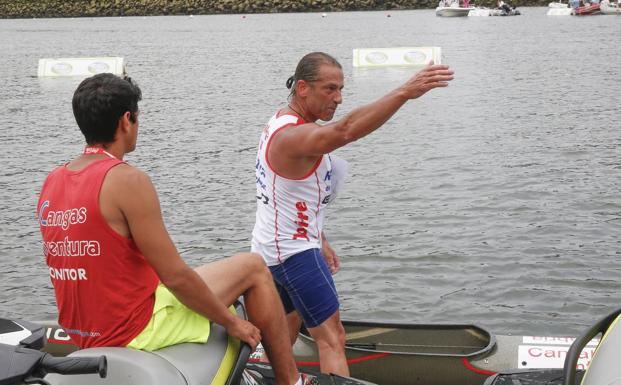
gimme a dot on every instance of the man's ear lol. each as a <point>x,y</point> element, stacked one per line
<point>302,88</point>
<point>124,122</point>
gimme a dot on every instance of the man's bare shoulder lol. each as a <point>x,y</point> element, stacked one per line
<point>127,178</point>
<point>293,133</point>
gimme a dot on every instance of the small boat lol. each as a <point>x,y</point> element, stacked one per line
<point>608,8</point>
<point>504,9</point>
<point>452,9</point>
<point>504,12</point>
<point>417,354</point>
<point>559,9</point>
<point>587,9</point>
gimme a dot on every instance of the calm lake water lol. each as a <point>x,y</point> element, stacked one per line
<point>496,200</point>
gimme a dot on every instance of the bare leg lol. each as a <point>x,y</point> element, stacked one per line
<point>246,274</point>
<point>330,339</point>
<point>295,323</point>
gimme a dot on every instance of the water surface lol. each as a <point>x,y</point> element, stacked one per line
<point>496,200</point>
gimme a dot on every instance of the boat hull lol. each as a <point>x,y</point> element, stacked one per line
<point>591,9</point>
<point>398,354</point>
<point>453,11</point>
<point>610,9</point>
<point>560,11</point>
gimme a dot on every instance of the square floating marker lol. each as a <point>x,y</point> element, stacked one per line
<point>82,67</point>
<point>396,56</point>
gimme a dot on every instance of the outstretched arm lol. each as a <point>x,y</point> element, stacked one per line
<point>301,141</point>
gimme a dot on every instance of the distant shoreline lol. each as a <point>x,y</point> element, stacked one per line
<point>15,9</point>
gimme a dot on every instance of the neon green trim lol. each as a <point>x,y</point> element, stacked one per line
<point>228,361</point>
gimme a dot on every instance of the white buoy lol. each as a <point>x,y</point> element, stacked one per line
<point>397,56</point>
<point>84,66</point>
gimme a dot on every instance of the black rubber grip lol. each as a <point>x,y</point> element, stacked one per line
<point>75,365</point>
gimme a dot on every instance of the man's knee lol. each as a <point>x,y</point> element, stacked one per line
<point>256,266</point>
<point>333,339</point>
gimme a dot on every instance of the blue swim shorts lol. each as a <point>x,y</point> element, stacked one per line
<point>305,284</point>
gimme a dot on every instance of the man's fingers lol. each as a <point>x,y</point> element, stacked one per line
<point>435,67</point>
<point>253,339</point>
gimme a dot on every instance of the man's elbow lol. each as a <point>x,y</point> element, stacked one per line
<point>175,280</point>
<point>346,131</point>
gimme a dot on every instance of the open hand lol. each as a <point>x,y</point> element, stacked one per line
<point>430,77</point>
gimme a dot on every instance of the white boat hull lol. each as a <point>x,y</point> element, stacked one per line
<point>560,11</point>
<point>453,11</point>
<point>609,9</point>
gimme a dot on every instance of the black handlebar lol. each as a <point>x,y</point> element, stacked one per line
<point>75,365</point>
<point>19,365</point>
<point>571,360</point>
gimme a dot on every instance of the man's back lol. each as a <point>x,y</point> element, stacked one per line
<point>104,287</point>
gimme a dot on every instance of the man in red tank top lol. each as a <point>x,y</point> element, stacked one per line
<point>112,262</point>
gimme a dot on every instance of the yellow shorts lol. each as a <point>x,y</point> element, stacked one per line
<point>171,323</point>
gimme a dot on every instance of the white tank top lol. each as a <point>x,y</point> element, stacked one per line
<point>290,212</point>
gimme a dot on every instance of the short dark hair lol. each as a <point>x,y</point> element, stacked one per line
<point>99,102</point>
<point>308,68</point>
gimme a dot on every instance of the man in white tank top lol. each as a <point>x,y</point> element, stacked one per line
<point>296,178</point>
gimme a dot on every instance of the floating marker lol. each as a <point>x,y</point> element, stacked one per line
<point>83,67</point>
<point>397,56</point>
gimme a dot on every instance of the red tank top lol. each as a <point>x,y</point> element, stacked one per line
<point>104,286</point>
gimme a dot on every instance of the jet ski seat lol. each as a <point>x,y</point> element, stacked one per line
<point>192,364</point>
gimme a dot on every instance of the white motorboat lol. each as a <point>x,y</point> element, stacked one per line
<point>452,9</point>
<point>608,8</point>
<point>559,9</point>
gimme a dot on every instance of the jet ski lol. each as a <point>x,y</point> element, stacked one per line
<point>223,360</point>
